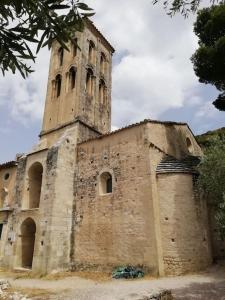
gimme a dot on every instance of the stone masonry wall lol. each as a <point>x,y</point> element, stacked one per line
<point>7,180</point>
<point>184,225</point>
<point>171,138</point>
<point>76,103</point>
<point>118,228</point>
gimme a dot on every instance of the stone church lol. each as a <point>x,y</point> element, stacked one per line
<point>86,197</point>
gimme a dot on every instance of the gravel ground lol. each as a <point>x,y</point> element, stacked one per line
<point>208,285</point>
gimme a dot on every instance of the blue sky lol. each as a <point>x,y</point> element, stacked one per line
<point>152,76</point>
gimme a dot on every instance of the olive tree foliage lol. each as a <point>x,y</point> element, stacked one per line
<point>24,23</point>
<point>185,7</point>
<point>209,58</point>
<point>212,178</point>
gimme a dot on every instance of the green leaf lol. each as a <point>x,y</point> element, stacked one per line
<point>55,6</point>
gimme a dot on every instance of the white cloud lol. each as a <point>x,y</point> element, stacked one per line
<point>155,72</point>
<point>152,72</point>
<point>207,110</point>
<point>25,98</point>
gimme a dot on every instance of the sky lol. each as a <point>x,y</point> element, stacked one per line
<point>152,76</point>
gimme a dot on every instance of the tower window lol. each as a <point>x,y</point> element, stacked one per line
<point>6,176</point>
<point>1,228</point>
<point>58,83</point>
<point>102,92</point>
<point>74,48</point>
<point>60,56</point>
<point>90,82</point>
<point>102,63</point>
<point>91,53</point>
<point>105,184</point>
<point>72,78</point>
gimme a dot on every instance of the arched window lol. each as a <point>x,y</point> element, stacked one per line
<point>91,53</point>
<point>102,63</point>
<point>35,182</point>
<point>72,78</point>
<point>105,183</point>
<point>102,91</point>
<point>90,82</point>
<point>58,83</point>
<point>60,56</point>
<point>74,47</point>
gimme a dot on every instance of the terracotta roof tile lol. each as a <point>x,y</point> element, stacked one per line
<point>170,164</point>
<point>8,164</point>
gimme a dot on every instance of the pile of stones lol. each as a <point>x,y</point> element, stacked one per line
<point>160,295</point>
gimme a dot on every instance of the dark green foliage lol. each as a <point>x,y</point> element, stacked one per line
<point>220,219</point>
<point>26,22</point>
<point>212,178</point>
<point>219,102</point>
<point>209,59</point>
<point>206,139</point>
<point>127,272</point>
<point>185,7</point>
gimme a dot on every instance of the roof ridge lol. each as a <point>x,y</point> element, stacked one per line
<point>91,23</point>
<point>145,121</point>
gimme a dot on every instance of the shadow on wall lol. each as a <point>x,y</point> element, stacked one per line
<point>184,225</point>
<point>177,142</point>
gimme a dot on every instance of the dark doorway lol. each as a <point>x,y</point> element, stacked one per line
<point>28,230</point>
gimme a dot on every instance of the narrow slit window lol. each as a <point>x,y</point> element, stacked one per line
<point>105,183</point>
<point>102,91</point>
<point>102,63</point>
<point>1,228</point>
<point>74,47</point>
<point>109,185</point>
<point>72,78</point>
<point>60,56</point>
<point>90,82</point>
<point>91,53</point>
<point>58,84</point>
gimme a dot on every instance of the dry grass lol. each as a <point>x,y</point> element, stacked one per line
<point>95,276</point>
<point>19,275</point>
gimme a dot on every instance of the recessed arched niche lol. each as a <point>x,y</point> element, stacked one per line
<point>35,183</point>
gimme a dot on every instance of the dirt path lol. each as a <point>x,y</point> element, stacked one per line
<point>209,285</point>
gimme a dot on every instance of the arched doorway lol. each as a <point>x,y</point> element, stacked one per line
<point>28,230</point>
<point>35,183</point>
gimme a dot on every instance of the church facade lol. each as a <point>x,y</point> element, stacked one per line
<point>86,197</point>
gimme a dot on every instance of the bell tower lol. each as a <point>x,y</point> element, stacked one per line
<point>79,84</point>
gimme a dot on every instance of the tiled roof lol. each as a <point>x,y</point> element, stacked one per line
<point>170,164</point>
<point>8,164</point>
